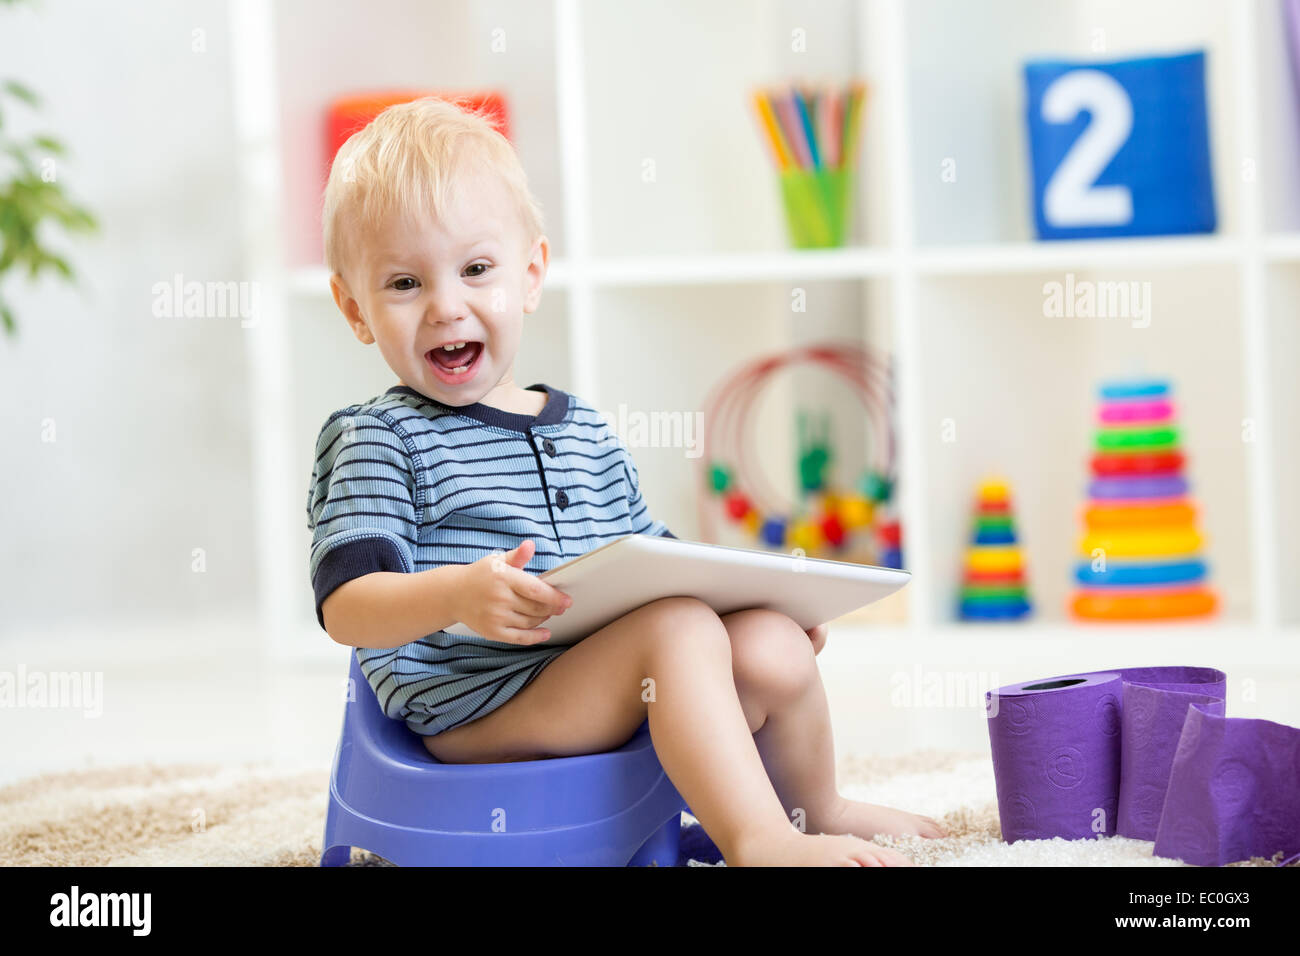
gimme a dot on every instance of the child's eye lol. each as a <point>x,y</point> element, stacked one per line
<point>477,265</point>
<point>396,284</point>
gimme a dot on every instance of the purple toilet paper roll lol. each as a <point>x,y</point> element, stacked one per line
<point>1234,791</point>
<point>1154,714</point>
<point>1058,744</point>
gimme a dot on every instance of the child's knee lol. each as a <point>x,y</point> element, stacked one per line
<point>686,623</point>
<point>771,652</point>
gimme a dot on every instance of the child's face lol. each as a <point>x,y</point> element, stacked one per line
<point>418,286</point>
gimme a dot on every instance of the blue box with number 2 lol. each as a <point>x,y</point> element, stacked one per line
<point>1120,148</point>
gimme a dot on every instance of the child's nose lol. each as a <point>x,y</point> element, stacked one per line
<point>446,307</point>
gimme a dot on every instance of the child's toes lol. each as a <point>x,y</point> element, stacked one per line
<point>932,828</point>
<point>883,856</point>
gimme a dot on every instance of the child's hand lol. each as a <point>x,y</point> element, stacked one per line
<point>818,637</point>
<point>502,602</point>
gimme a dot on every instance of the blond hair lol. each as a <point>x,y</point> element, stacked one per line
<point>406,161</point>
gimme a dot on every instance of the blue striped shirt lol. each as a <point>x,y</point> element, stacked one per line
<point>404,483</point>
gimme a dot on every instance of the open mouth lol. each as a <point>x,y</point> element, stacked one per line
<point>455,364</point>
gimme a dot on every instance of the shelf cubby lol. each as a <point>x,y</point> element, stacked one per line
<point>658,288</point>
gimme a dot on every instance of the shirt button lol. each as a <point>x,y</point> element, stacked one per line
<point>561,499</point>
<point>549,447</point>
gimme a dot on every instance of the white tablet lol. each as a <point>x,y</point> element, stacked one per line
<point>609,581</point>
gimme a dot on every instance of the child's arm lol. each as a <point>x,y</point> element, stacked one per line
<point>386,609</point>
<point>494,596</point>
<point>364,509</point>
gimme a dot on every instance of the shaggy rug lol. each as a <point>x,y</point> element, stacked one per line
<point>215,815</point>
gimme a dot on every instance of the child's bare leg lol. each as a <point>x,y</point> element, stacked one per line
<point>670,660</point>
<point>781,692</point>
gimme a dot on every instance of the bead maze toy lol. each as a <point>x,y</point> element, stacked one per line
<point>846,524</point>
<point>1139,555</point>
<point>993,584</point>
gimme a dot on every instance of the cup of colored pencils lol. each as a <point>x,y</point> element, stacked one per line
<point>812,134</point>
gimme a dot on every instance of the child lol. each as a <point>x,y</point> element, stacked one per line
<point>436,251</point>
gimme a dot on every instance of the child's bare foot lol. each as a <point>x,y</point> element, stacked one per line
<point>792,848</point>
<point>868,819</point>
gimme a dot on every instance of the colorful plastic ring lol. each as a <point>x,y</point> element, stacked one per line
<point>1141,544</point>
<point>993,559</point>
<point>1111,464</point>
<point>1149,389</point>
<point>995,536</point>
<point>1157,604</point>
<point>1118,439</point>
<point>973,611</point>
<point>1120,513</point>
<point>1160,410</point>
<point>989,578</point>
<point>1125,573</point>
<point>1154,486</point>
<point>1003,593</point>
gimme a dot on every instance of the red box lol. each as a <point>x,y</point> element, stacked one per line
<point>348,114</point>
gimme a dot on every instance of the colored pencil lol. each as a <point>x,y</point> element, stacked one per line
<point>801,103</point>
<point>789,116</point>
<point>811,126</point>
<point>858,94</point>
<point>833,118</point>
<point>773,129</point>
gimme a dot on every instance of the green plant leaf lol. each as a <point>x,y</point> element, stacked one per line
<point>50,145</point>
<point>60,265</point>
<point>28,202</point>
<point>24,93</point>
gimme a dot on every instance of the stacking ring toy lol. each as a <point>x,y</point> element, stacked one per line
<point>975,593</point>
<point>994,610</point>
<point>1154,486</point>
<point>1175,572</point>
<point>994,578</point>
<point>993,559</point>
<point>1147,605</point>
<point>1110,464</point>
<point>1161,410</point>
<point>1141,544</point>
<point>1160,437</point>
<point>1150,389</point>
<point>1123,514</point>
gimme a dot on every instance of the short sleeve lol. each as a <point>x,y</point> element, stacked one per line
<point>642,523</point>
<point>362,504</point>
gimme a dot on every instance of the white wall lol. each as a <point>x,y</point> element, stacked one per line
<point>151,457</point>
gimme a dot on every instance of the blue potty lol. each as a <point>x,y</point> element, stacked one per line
<point>390,796</point>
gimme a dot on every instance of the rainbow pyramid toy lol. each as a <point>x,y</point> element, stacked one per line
<point>1140,552</point>
<point>993,583</point>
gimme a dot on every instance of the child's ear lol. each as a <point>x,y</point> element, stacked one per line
<point>350,309</point>
<point>535,274</point>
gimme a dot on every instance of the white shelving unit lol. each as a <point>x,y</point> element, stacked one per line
<point>691,264</point>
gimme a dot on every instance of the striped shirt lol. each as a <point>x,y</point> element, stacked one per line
<point>404,483</point>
